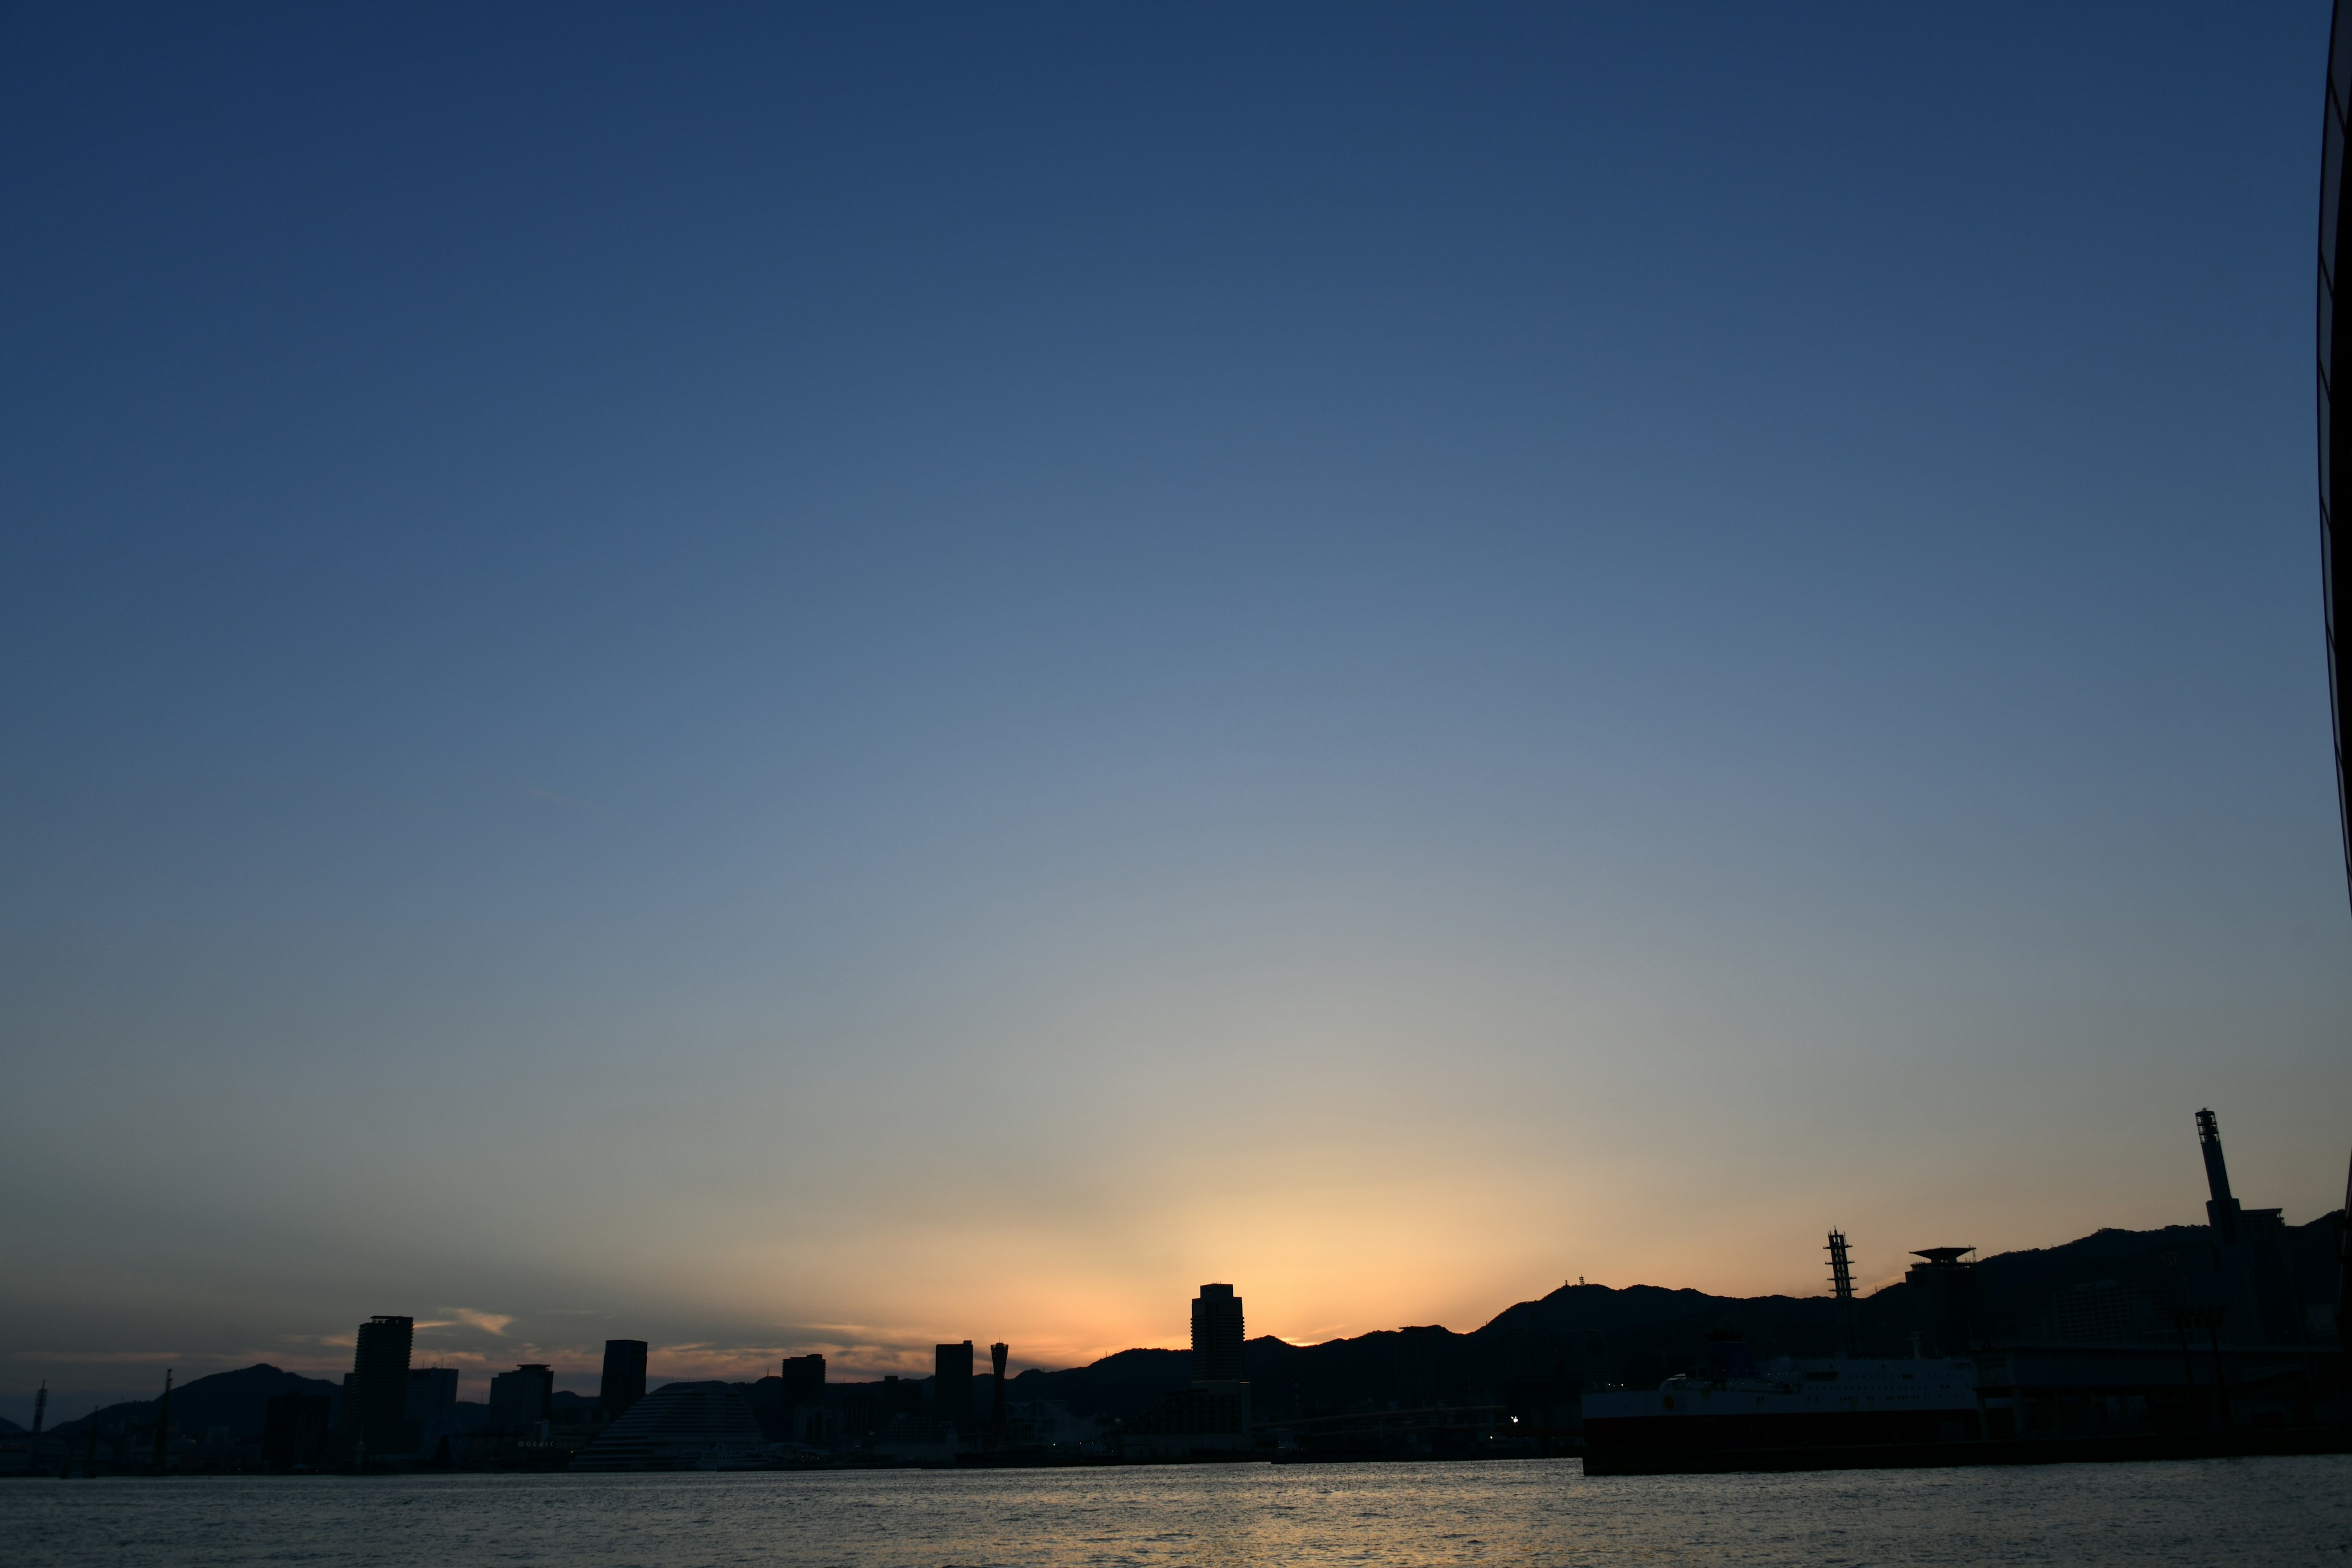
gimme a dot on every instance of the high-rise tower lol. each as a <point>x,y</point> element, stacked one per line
<point>377,1414</point>
<point>520,1399</point>
<point>1217,1335</point>
<point>1214,1412</point>
<point>951,1386</point>
<point>803,1378</point>
<point>624,1382</point>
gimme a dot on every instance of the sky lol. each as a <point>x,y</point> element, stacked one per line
<point>823,679</point>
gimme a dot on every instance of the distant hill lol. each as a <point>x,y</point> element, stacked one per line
<point>1537,1354</point>
<point>1116,1386</point>
<point>1532,1355</point>
<point>237,1400</point>
<point>1597,1308</point>
<point>2015,1290</point>
<point>8,1428</point>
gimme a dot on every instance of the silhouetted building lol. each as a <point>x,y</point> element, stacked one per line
<point>2099,1313</point>
<point>868,1409</point>
<point>679,1424</point>
<point>951,1386</point>
<point>518,1399</point>
<point>2256,1279</point>
<point>804,1380</point>
<point>375,1412</point>
<point>432,1394</point>
<point>1213,1416</point>
<point>814,1425</point>
<point>1945,1282</point>
<point>998,1354</point>
<point>624,1382</point>
<point>1217,1335</point>
<point>921,1440</point>
<point>295,1428</point>
<point>1207,1418</point>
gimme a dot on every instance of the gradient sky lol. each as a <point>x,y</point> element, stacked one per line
<point>784,680</point>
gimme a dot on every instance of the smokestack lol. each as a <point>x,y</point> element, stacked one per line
<point>998,1354</point>
<point>2222,1213</point>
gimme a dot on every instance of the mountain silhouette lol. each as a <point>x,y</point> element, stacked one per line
<point>1530,1356</point>
<point>237,1400</point>
<point>1539,1354</point>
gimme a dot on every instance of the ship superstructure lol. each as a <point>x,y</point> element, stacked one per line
<point>1844,1401</point>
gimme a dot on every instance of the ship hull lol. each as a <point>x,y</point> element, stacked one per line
<point>1659,1460</point>
<point>1781,1429</point>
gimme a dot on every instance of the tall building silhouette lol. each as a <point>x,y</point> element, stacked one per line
<point>1217,1335</point>
<point>624,1382</point>
<point>520,1399</point>
<point>952,1385</point>
<point>998,1354</point>
<point>2259,1301</point>
<point>432,1394</point>
<point>376,1413</point>
<point>1214,1414</point>
<point>804,1380</point>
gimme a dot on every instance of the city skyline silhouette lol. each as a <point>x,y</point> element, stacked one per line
<point>817,681</point>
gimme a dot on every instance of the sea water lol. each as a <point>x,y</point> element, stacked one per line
<point>2220,1511</point>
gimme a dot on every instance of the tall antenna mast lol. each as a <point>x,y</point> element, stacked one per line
<point>1841,1286</point>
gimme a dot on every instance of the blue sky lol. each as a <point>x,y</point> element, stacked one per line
<point>784,678</point>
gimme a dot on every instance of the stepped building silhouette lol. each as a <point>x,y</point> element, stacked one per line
<point>680,1425</point>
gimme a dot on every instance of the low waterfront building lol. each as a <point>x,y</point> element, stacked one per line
<point>680,1427</point>
<point>1206,1418</point>
<point>296,1429</point>
<point>2103,1391</point>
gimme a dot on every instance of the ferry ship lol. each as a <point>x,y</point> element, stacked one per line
<point>1735,1411</point>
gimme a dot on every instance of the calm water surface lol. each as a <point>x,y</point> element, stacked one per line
<point>2234,1512</point>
